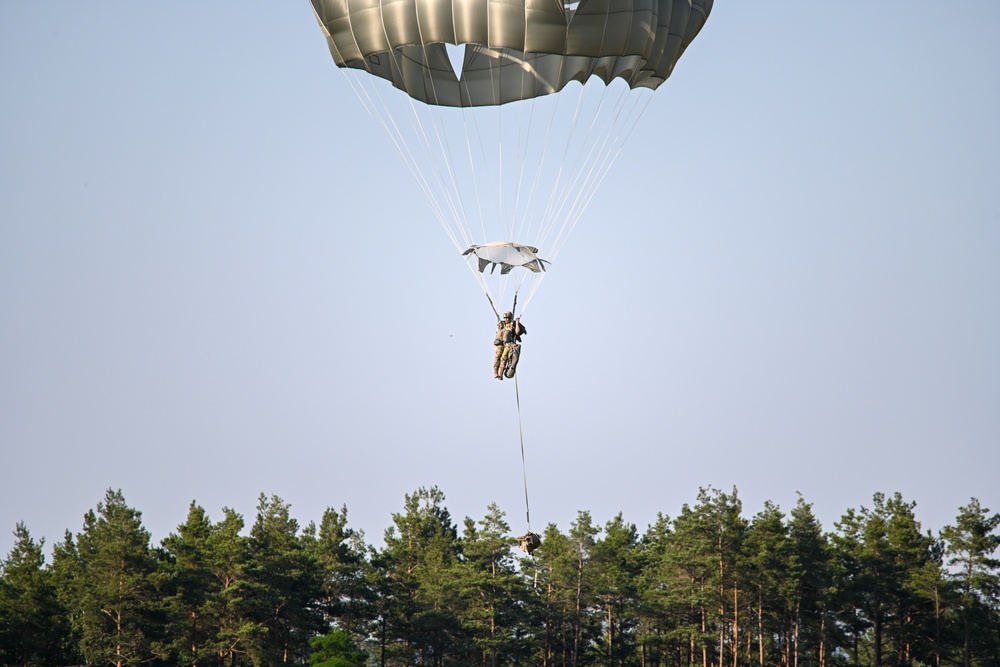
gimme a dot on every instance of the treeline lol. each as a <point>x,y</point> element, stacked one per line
<point>707,588</point>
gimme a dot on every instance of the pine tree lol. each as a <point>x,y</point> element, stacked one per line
<point>931,584</point>
<point>722,531</point>
<point>911,615</point>
<point>347,596</point>
<point>971,543</point>
<point>493,612</point>
<point>336,649</point>
<point>810,579</point>
<point>191,592</point>
<point>585,629</point>
<point>618,560</point>
<point>65,568</point>
<point>862,549</point>
<point>109,585</point>
<point>691,557</point>
<point>661,615</point>
<point>282,581</point>
<point>32,625</point>
<point>417,586</point>
<point>548,570</point>
<point>564,573</point>
<point>768,553</point>
<point>881,553</point>
<point>226,599</point>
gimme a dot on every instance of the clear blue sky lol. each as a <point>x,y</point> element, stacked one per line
<point>217,280</point>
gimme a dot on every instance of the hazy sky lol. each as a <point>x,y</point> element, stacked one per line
<point>217,280</point>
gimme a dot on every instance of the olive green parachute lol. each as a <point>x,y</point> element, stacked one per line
<point>517,50</point>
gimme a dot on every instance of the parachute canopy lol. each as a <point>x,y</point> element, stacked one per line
<point>517,49</point>
<point>507,255</point>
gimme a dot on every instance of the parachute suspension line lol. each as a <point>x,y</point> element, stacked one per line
<point>567,225</point>
<point>435,205</point>
<point>380,112</point>
<point>472,169</point>
<point>494,88</point>
<point>524,466</point>
<point>444,201</point>
<point>550,212</point>
<point>587,157</point>
<point>564,230</point>
<point>478,152</point>
<point>427,173</point>
<point>396,137</point>
<point>609,159</point>
<point>584,156</point>
<point>623,119</point>
<point>441,136</point>
<point>479,145</point>
<point>523,142</point>
<point>477,179</point>
<point>520,115</point>
<point>483,285</point>
<point>587,164</point>
<point>540,162</point>
<point>543,223</point>
<point>450,161</point>
<point>592,164</point>
<point>532,140</point>
<point>456,211</point>
<point>501,205</point>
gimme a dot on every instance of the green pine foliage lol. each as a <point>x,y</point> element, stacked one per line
<point>32,625</point>
<point>707,588</point>
<point>336,649</point>
<point>107,581</point>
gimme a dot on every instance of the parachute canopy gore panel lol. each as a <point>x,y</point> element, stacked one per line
<point>518,49</point>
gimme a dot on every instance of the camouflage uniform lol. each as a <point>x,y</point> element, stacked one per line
<point>506,346</point>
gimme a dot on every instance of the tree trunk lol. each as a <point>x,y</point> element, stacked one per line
<point>878,636</point>
<point>611,637</point>
<point>760,630</point>
<point>704,646</point>
<point>736,626</point>
<point>547,652</point>
<point>937,628</point>
<point>382,644</point>
<point>822,640</point>
<point>577,630</point>
<point>722,608</point>
<point>795,633</point>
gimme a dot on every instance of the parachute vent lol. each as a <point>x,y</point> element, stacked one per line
<point>456,54</point>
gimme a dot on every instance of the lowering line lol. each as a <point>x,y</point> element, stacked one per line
<point>524,467</point>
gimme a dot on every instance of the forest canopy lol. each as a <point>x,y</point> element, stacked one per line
<point>710,586</point>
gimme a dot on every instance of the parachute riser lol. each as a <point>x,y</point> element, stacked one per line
<point>496,311</point>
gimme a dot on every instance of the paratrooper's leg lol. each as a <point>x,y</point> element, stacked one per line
<point>497,361</point>
<point>504,360</point>
<point>512,356</point>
